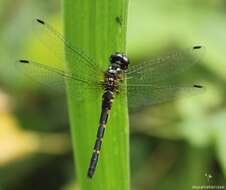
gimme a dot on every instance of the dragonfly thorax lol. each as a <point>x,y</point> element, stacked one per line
<point>113,77</point>
<point>114,69</point>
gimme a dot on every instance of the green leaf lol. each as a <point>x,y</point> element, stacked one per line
<point>99,29</point>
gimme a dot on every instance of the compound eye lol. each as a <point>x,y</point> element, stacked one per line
<point>124,63</point>
<point>117,57</point>
<point>121,59</point>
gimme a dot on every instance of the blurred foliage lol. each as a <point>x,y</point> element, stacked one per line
<point>173,146</point>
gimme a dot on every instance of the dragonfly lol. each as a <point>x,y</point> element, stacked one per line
<point>146,83</point>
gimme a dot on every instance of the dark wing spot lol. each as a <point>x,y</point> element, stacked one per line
<point>40,21</point>
<point>197,47</point>
<point>23,61</point>
<point>197,86</point>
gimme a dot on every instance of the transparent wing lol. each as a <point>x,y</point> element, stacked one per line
<point>145,95</point>
<point>61,48</point>
<point>55,78</point>
<point>162,68</point>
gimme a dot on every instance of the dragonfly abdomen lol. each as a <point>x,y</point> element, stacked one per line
<point>106,106</point>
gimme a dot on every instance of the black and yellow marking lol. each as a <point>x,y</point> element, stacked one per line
<point>96,152</point>
<point>106,106</point>
<point>113,76</point>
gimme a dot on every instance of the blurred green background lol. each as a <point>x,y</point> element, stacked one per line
<point>177,145</point>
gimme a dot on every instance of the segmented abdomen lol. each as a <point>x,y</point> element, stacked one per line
<point>106,106</point>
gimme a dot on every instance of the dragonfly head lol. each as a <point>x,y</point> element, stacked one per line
<point>120,59</point>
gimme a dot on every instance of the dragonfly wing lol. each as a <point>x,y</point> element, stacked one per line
<point>147,94</point>
<point>55,78</point>
<point>61,48</point>
<point>165,67</point>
